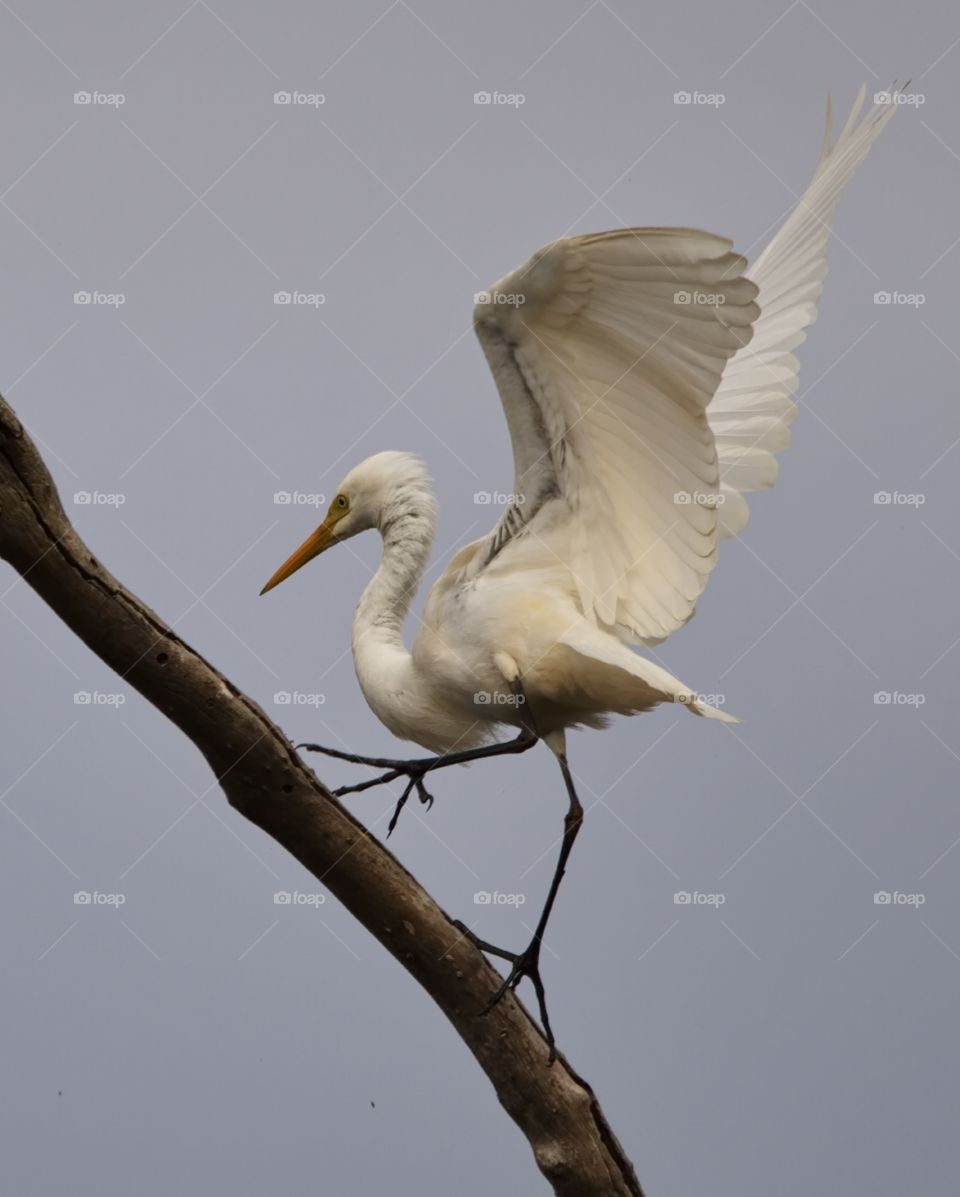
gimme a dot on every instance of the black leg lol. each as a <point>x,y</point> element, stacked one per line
<point>416,770</point>
<point>521,743</point>
<point>527,962</point>
<point>524,710</point>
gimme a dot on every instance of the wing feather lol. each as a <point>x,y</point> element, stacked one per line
<point>606,350</point>
<point>647,383</point>
<point>752,410</point>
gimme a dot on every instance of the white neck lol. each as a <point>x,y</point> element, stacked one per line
<point>407,526</point>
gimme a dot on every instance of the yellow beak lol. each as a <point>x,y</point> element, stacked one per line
<point>312,547</point>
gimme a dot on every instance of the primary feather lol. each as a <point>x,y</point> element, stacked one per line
<point>751,412</point>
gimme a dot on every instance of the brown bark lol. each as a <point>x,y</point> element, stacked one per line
<point>264,779</point>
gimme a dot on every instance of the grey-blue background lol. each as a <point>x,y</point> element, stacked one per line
<point>200,1037</point>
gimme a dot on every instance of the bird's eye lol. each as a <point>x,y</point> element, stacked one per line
<point>342,502</point>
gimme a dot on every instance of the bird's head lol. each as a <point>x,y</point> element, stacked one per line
<point>372,495</point>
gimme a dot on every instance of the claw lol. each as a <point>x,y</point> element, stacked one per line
<point>424,794</point>
<point>359,786</point>
<point>523,964</point>
<point>415,783</point>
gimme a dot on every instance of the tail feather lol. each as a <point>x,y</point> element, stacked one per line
<point>610,678</point>
<point>698,707</point>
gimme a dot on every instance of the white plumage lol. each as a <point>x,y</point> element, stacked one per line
<point>606,350</point>
<point>752,411</point>
<point>647,379</point>
<point>647,382</point>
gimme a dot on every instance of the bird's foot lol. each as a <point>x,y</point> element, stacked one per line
<point>522,964</point>
<point>414,785</point>
<point>414,771</point>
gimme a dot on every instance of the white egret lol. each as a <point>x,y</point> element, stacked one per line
<point>646,378</point>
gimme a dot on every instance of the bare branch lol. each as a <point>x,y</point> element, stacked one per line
<point>266,781</point>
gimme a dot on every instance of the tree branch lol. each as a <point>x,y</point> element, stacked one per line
<point>264,779</point>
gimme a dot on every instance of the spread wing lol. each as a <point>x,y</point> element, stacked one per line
<point>606,350</point>
<point>753,408</point>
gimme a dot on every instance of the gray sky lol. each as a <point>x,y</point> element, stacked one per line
<point>797,1038</point>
